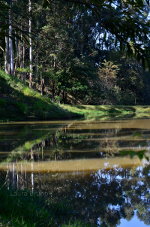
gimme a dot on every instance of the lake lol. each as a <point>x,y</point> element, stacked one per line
<point>101,168</point>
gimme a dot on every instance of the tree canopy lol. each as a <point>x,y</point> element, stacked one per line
<point>59,47</point>
<point>128,21</point>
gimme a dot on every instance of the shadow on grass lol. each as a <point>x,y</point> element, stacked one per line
<point>15,105</point>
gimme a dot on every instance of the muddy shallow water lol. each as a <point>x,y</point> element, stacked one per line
<point>100,167</point>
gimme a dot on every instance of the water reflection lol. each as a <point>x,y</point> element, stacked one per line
<point>100,168</point>
<point>72,140</point>
<point>104,196</point>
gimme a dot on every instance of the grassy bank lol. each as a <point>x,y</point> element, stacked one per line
<point>19,102</point>
<point>106,112</point>
<point>22,208</point>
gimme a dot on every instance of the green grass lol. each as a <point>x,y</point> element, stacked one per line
<point>25,209</point>
<point>19,102</point>
<point>105,112</point>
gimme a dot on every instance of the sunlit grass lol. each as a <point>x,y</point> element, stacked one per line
<point>19,102</point>
<point>22,103</point>
<point>105,112</point>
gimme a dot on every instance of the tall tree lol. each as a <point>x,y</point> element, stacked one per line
<point>30,44</point>
<point>9,50</point>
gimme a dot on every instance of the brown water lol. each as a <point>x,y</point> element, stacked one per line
<point>101,168</point>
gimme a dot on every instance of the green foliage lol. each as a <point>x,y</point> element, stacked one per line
<point>121,81</point>
<point>80,50</point>
<point>23,70</point>
<point>18,102</point>
<point>74,56</point>
<point>130,27</point>
<point>108,75</point>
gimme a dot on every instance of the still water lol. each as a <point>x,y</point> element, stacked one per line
<point>100,167</point>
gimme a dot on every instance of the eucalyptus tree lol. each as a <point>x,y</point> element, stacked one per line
<point>9,49</point>
<point>30,44</point>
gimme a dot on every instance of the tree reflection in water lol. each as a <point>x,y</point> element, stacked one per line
<point>103,197</point>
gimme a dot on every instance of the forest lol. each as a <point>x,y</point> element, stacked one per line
<point>78,51</point>
<point>74,113</point>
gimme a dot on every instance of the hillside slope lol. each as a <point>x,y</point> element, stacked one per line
<point>19,102</point>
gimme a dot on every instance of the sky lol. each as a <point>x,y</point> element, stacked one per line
<point>133,222</point>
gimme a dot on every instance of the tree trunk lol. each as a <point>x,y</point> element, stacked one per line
<point>30,48</point>
<point>23,56</point>
<point>6,55</point>
<point>42,86</point>
<point>9,50</point>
